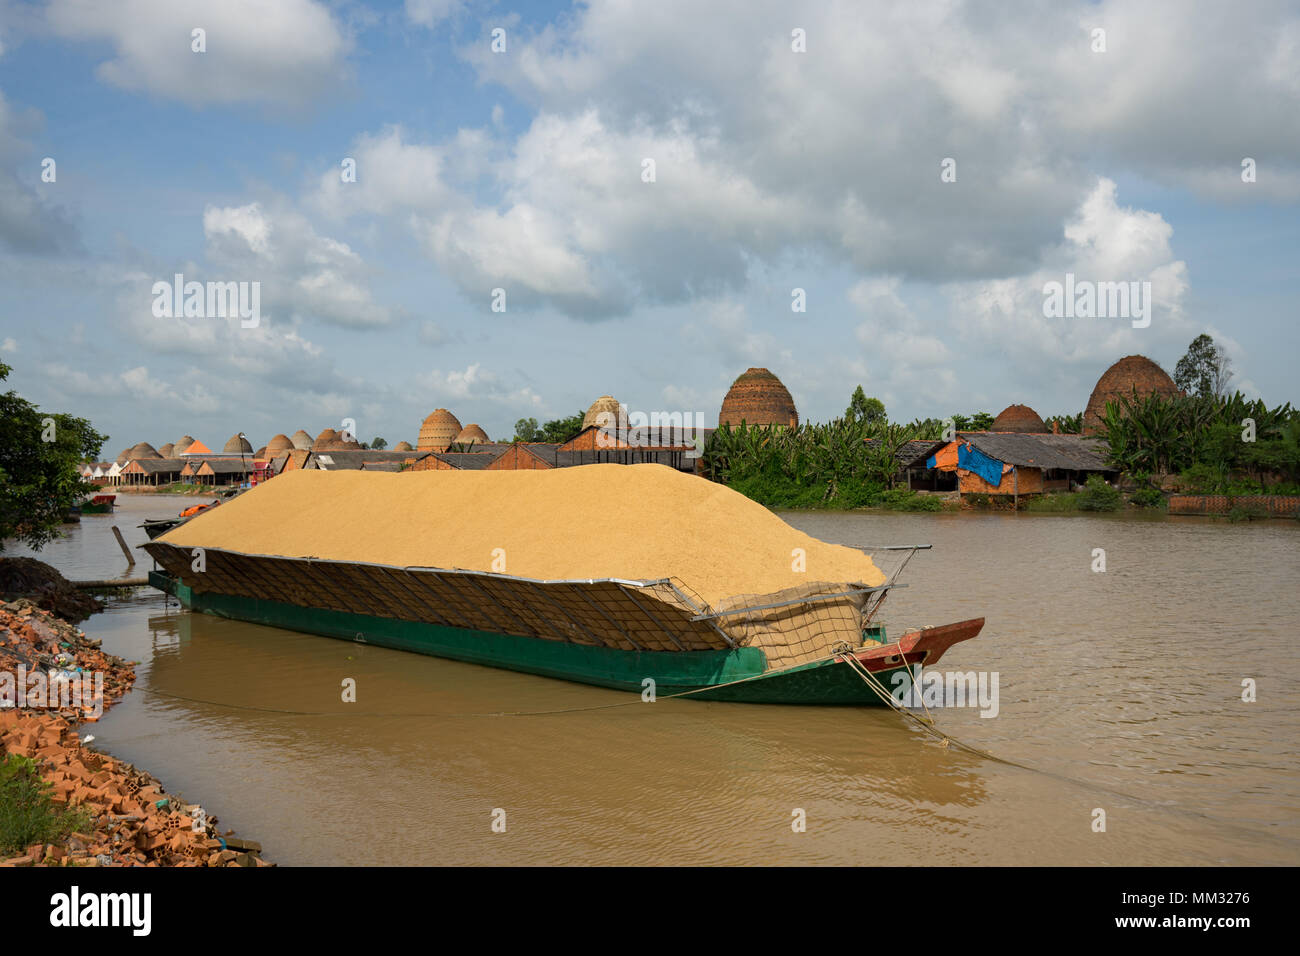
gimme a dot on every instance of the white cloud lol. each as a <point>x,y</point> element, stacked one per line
<point>302,274</point>
<point>394,176</point>
<point>895,341</point>
<point>136,384</point>
<point>429,13</point>
<point>692,400</point>
<point>31,222</point>
<point>289,52</point>
<point>763,153</point>
<point>246,223</point>
<point>1102,242</point>
<point>433,334</point>
<point>576,225</point>
<point>477,384</point>
<point>725,329</point>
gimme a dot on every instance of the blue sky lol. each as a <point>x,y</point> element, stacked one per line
<point>522,170</point>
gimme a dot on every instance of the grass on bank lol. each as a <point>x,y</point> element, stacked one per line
<point>27,813</point>
<point>781,493</point>
<point>181,488</point>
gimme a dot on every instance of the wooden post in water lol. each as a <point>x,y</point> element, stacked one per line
<point>1015,477</point>
<point>122,542</point>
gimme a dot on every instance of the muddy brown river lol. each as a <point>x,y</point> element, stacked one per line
<point>1120,690</point>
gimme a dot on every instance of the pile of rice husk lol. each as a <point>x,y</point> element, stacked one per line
<point>594,521</point>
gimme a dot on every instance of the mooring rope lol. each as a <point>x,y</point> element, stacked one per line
<point>927,724</point>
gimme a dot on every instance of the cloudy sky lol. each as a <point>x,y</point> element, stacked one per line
<point>793,147</point>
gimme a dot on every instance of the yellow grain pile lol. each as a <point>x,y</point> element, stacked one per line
<point>594,521</point>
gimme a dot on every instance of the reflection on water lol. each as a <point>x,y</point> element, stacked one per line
<point>1124,687</point>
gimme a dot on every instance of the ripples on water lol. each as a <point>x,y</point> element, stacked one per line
<point>1124,687</point>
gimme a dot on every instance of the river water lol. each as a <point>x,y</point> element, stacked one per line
<point>1121,689</point>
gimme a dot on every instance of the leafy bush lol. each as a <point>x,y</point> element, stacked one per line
<point>777,491</point>
<point>1147,498</point>
<point>1099,496</point>
<point>856,494</point>
<point>977,500</point>
<point>1199,480</point>
<point>904,499</point>
<point>1063,501</point>
<point>27,814</point>
<point>1247,513</point>
<point>1240,487</point>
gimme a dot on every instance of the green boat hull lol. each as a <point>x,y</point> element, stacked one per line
<point>694,673</point>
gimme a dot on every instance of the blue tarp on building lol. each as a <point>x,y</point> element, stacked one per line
<point>974,460</point>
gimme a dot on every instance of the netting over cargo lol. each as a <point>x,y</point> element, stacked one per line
<point>791,627</point>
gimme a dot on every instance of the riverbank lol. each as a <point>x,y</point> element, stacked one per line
<point>1096,498</point>
<point>178,488</point>
<point>35,580</point>
<point>62,803</point>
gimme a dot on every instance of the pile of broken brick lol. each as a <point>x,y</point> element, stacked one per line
<point>134,821</point>
<point>35,639</point>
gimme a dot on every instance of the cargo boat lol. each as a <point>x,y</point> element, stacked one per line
<point>98,505</point>
<point>815,644</point>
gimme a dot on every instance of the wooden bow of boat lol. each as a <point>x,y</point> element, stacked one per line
<point>924,647</point>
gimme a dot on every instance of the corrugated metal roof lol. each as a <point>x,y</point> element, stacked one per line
<point>227,466</point>
<point>157,466</point>
<point>466,460</point>
<point>1069,452</point>
<point>352,460</point>
<point>552,455</point>
<point>911,454</point>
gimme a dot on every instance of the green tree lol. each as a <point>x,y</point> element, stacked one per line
<point>378,444</point>
<point>1069,424</point>
<point>865,409</point>
<point>928,428</point>
<point>979,422</point>
<point>526,430</point>
<point>1204,370</point>
<point>562,429</point>
<point>39,476</point>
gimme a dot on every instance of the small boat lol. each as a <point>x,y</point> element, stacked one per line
<point>98,505</point>
<point>156,527</point>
